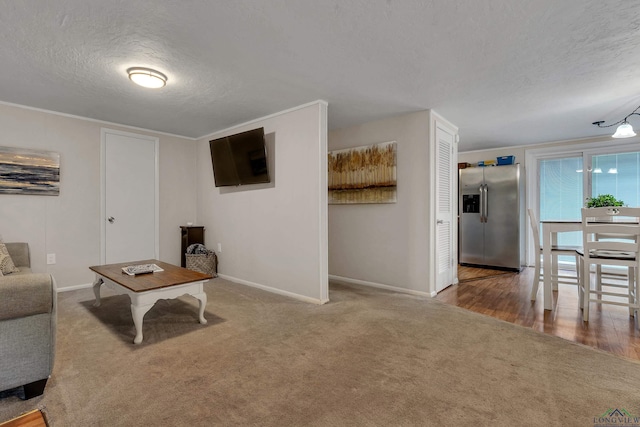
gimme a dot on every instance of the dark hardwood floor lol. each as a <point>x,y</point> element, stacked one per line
<point>507,297</point>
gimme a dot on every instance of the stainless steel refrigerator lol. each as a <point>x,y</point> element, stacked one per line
<point>491,221</point>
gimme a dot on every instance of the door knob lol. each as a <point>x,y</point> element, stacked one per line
<point>439,221</point>
<point>111,219</point>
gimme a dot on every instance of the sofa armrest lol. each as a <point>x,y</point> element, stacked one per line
<point>26,294</point>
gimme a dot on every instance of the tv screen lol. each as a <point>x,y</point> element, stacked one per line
<point>240,159</point>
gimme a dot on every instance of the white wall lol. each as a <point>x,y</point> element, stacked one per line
<point>69,224</point>
<point>386,244</point>
<point>274,236</point>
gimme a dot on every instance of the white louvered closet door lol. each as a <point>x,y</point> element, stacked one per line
<point>445,218</point>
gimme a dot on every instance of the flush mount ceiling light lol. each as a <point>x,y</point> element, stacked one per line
<point>624,130</point>
<point>147,77</point>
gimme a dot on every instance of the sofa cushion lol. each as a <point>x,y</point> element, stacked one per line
<point>19,252</point>
<point>6,263</point>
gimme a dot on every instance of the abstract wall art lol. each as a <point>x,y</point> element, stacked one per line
<point>363,174</point>
<point>24,171</point>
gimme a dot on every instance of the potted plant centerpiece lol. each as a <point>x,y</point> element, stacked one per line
<point>603,200</point>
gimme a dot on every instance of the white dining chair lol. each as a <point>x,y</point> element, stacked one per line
<point>607,276</point>
<point>556,251</point>
<point>621,247</point>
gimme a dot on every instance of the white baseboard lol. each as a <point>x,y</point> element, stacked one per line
<point>381,286</point>
<point>74,288</point>
<point>233,279</point>
<point>274,290</point>
<point>291,294</point>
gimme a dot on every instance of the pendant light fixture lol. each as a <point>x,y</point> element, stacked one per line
<point>624,130</point>
<point>146,77</point>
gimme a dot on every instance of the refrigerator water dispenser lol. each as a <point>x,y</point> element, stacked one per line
<point>471,203</point>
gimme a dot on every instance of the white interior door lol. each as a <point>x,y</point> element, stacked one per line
<point>445,216</point>
<point>130,197</point>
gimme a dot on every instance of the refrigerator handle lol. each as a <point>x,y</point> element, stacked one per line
<point>481,190</point>
<point>485,199</point>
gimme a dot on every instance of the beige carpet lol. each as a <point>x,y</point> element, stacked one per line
<point>368,358</point>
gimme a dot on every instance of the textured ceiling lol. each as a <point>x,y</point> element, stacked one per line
<point>507,72</point>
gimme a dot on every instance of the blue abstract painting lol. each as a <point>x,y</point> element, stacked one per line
<point>24,171</point>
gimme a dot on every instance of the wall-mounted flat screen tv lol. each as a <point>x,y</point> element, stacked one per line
<point>240,159</point>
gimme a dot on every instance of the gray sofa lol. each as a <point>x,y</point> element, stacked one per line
<point>27,325</point>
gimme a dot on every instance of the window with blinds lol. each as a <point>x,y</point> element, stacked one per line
<point>617,174</point>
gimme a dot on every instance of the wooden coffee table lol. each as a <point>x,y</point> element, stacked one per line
<point>146,289</point>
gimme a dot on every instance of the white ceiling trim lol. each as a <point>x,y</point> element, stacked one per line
<point>270,116</point>
<point>89,119</point>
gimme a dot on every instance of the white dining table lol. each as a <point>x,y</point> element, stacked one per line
<point>550,230</point>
